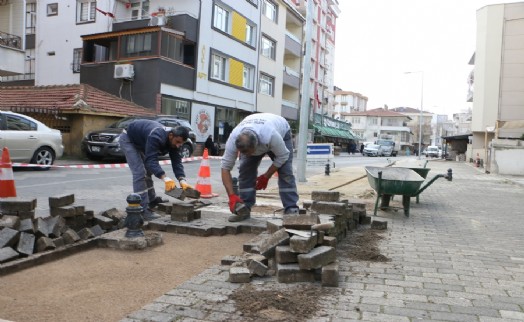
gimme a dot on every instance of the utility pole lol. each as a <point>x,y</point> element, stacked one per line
<point>304,104</point>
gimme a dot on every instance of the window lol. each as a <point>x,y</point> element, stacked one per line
<point>355,120</point>
<point>267,84</point>
<point>218,67</point>
<point>172,47</point>
<point>52,9</point>
<point>247,80</point>
<point>250,34</point>
<point>374,121</point>
<point>77,59</point>
<point>269,9</point>
<point>85,11</point>
<point>268,47</point>
<point>221,18</point>
<point>17,123</point>
<point>137,45</point>
<point>139,10</point>
<point>253,2</point>
<point>175,106</point>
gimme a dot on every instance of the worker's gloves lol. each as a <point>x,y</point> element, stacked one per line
<point>233,200</point>
<point>262,182</point>
<point>170,183</point>
<point>184,184</point>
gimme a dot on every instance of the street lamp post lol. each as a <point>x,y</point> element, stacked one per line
<point>421,108</point>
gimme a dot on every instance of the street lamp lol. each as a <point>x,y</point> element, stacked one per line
<point>421,107</point>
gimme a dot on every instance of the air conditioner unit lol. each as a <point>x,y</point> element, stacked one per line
<point>124,71</point>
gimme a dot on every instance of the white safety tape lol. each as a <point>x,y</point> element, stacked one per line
<point>105,166</point>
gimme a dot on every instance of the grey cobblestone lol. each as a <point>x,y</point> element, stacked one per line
<point>451,260</point>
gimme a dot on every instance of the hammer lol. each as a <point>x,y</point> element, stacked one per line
<point>322,227</point>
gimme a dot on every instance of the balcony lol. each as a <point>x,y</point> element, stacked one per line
<point>291,77</point>
<point>292,45</point>
<point>13,57</point>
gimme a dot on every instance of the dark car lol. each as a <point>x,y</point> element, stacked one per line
<point>103,144</point>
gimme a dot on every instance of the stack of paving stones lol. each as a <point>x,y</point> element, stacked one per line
<point>291,250</point>
<point>22,235</point>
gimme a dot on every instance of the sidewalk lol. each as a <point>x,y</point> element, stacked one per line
<point>458,257</point>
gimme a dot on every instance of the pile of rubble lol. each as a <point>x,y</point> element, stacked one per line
<point>301,248</point>
<point>22,234</point>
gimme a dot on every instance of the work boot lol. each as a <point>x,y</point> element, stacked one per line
<point>293,211</point>
<point>156,201</point>
<point>149,215</point>
<point>235,217</point>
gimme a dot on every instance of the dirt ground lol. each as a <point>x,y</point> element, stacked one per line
<point>106,285</point>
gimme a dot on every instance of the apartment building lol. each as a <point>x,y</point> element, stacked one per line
<point>498,95</point>
<point>346,102</point>
<point>280,59</point>
<point>17,42</point>
<point>413,124</point>
<point>325,14</point>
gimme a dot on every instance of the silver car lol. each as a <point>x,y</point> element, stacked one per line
<point>373,150</point>
<point>28,140</point>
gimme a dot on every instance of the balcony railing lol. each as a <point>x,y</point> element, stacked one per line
<point>9,40</point>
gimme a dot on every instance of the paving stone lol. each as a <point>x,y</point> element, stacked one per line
<point>317,258</point>
<point>55,225</point>
<point>302,245</point>
<point>176,193</point>
<point>239,275</point>
<point>325,195</point>
<point>267,247</point>
<point>8,237</point>
<point>18,205</point>
<point>331,208</point>
<point>44,243</point>
<point>230,259</point>
<point>60,201</point>
<point>97,230</point>
<point>284,255</point>
<point>300,222</point>
<point>104,222</point>
<point>7,221</point>
<point>257,268</point>
<point>329,241</point>
<point>41,228</point>
<point>330,274</point>
<point>26,244</point>
<point>70,236</point>
<point>7,254</point>
<point>274,225</point>
<point>63,211</point>
<point>165,207</point>
<point>292,273</point>
<point>26,225</point>
<point>59,242</point>
<point>85,233</point>
<point>192,193</point>
<point>115,215</point>
<point>379,225</point>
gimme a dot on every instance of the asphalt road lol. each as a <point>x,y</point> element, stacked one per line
<point>101,189</point>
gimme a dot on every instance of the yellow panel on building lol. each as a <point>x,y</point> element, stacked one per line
<point>239,27</point>
<point>236,72</point>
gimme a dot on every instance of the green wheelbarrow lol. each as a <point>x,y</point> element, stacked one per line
<point>388,182</point>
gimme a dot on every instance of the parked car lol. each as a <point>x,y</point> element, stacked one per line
<point>373,150</point>
<point>432,151</point>
<point>28,140</point>
<point>103,144</point>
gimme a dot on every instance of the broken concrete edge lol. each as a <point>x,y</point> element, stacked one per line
<point>47,256</point>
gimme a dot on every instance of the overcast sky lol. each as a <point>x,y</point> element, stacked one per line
<point>378,41</point>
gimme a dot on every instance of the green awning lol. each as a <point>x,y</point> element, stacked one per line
<point>334,132</point>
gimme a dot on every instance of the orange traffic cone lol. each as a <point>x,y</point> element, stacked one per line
<point>203,183</point>
<point>7,179</point>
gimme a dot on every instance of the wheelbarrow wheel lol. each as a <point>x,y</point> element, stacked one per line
<point>405,203</point>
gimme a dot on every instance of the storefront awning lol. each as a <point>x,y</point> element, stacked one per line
<point>334,132</point>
